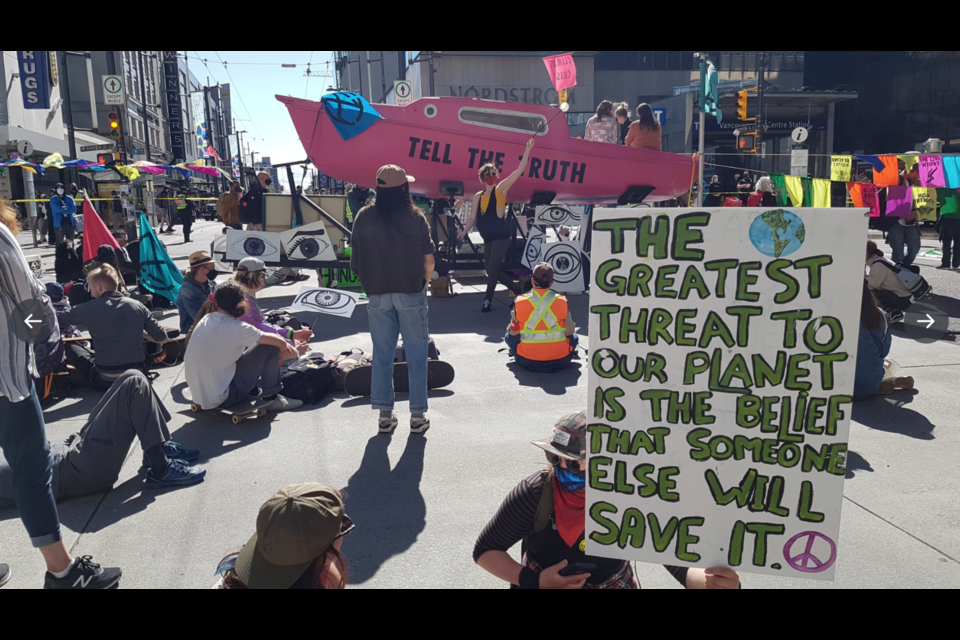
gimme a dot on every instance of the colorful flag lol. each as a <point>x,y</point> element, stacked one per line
<point>794,190</point>
<point>158,273</point>
<point>925,202</point>
<point>909,162</point>
<point>821,194</point>
<point>349,113</point>
<point>212,153</point>
<point>781,187</point>
<point>710,90</point>
<point>562,70</point>
<point>129,172</point>
<point>873,161</point>
<point>52,160</point>
<point>864,195</point>
<point>890,175</point>
<point>899,202</point>
<point>840,168</point>
<point>931,171</point>
<point>95,232</point>
<point>807,184</point>
<point>951,171</point>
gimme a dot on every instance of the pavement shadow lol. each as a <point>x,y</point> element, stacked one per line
<point>554,384</point>
<point>856,462</point>
<point>889,413</point>
<point>215,435</point>
<point>364,401</point>
<point>129,498</point>
<point>78,404</point>
<point>386,505</point>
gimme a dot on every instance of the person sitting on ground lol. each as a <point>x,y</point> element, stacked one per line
<point>128,270</point>
<point>542,335</point>
<point>251,275</point>
<point>546,512</point>
<point>645,133</point>
<point>228,206</point>
<point>623,122</point>
<point>296,544</point>
<point>198,285</point>
<point>764,196</point>
<point>67,264</point>
<point>119,259</point>
<point>874,346</point>
<point>603,126</point>
<point>90,461</point>
<point>229,362</point>
<point>117,326</point>
<point>883,281</point>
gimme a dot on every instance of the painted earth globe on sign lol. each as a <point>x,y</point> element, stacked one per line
<point>777,233</point>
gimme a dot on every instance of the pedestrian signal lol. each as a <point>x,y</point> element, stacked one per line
<point>107,158</point>
<point>114,125</point>
<point>747,143</point>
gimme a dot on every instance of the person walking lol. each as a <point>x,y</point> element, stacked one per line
<point>393,257</point>
<point>188,214</point>
<point>489,214</point>
<point>949,202</point>
<point>23,438</point>
<point>64,210</point>
<point>645,133</point>
<point>161,205</point>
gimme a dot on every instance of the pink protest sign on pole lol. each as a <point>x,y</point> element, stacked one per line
<point>562,71</point>
<point>931,171</point>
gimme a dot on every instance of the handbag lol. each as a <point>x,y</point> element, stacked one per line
<point>310,380</point>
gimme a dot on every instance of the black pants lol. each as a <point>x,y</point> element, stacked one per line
<point>494,251</point>
<point>187,226</point>
<point>891,301</point>
<point>84,361</point>
<point>950,237</point>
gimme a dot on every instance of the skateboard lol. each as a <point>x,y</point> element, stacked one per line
<point>253,407</point>
<point>358,381</point>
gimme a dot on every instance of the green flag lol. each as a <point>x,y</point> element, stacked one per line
<point>709,90</point>
<point>158,273</point>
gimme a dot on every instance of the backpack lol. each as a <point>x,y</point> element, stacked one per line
<point>910,278</point>
<point>250,207</point>
<point>283,319</point>
<point>309,380</point>
<point>432,352</point>
<point>49,353</point>
<point>754,200</point>
<point>347,362</point>
<point>78,293</point>
<point>544,512</point>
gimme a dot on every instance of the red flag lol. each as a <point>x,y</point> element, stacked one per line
<point>562,71</point>
<point>212,153</point>
<point>95,233</point>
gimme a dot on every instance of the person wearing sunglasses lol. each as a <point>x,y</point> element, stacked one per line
<point>296,544</point>
<point>489,214</point>
<point>545,513</point>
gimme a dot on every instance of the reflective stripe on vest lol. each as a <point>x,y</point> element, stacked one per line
<point>542,312</point>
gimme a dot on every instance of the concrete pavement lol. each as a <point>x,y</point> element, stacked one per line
<point>420,501</point>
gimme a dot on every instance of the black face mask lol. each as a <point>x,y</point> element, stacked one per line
<point>212,274</point>
<point>269,182</point>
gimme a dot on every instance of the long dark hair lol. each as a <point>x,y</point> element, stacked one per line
<point>605,108</point>
<point>871,318</point>
<point>394,203</point>
<point>872,249</point>
<point>646,119</point>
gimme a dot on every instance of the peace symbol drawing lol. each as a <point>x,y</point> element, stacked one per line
<point>807,561</point>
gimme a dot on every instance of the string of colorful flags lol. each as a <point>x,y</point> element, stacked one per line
<point>933,173</point>
<point>131,172</point>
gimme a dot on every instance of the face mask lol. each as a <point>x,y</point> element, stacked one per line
<point>490,180</point>
<point>570,480</point>
<point>59,192</point>
<point>268,182</point>
<point>212,274</point>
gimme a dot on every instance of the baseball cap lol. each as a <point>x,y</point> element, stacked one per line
<point>294,527</point>
<point>569,438</point>
<point>543,272</point>
<point>391,175</point>
<point>252,264</point>
<point>199,258</point>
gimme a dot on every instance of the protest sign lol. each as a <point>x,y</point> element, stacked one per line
<point>840,168</point>
<point>723,350</point>
<point>931,171</point>
<point>562,70</point>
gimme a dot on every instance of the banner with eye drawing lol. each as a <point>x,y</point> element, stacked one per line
<point>329,301</point>
<point>556,239</point>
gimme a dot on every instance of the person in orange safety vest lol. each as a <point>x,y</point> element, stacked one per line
<point>542,335</point>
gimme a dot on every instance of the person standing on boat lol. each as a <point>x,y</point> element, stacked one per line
<point>489,214</point>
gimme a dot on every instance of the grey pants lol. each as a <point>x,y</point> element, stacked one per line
<point>90,461</point>
<point>494,251</point>
<point>258,367</point>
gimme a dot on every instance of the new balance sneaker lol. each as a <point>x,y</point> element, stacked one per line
<point>419,423</point>
<point>177,474</point>
<point>4,574</point>
<point>896,317</point>
<point>84,574</point>
<point>282,403</point>
<point>388,422</point>
<point>486,308</point>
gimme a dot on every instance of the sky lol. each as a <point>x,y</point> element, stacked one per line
<point>253,87</point>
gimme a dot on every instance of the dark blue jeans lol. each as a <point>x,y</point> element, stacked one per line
<point>23,440</point>
<point>548,366</point>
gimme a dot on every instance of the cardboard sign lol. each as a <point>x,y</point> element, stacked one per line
<point>723,356</point>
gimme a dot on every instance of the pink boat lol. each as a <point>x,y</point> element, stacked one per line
<point>444,141</point>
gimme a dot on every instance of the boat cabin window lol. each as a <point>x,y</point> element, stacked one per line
<point>504,120</point>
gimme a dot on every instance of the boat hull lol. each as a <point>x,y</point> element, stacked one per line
<point>442,148</point>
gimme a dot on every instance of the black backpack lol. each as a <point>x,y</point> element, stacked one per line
<point>309,381</point>
<point>432,352</point>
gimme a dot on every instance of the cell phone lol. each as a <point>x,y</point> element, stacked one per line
<point>578,568</point>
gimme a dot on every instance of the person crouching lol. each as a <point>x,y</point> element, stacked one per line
<point>542,335</point>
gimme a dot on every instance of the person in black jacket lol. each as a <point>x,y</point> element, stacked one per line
<point>251,205</point>
<point>188,214</point>
<point>67,264</point>
<point>623,123</point>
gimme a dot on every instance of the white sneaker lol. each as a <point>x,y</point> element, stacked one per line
<point>282,403</point>
<point>419,423</point>
<point>387,424</point>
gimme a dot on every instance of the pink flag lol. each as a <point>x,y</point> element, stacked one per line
<point>931,171</point>
<point>95,233</point>
<point>870,200</point>
<point>562,71</point>
<point>212,153</point>
<point>899,202</point>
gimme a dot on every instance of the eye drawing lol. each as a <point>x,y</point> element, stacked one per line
<point>307,247</point>
<point>338,303</point>
<point>265,246</point>
<point>554,216</point>
<point>533,248</point>
<point>566,261</point>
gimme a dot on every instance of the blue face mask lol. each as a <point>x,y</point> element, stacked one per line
<point>570,480</point>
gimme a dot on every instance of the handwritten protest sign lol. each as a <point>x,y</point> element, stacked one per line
<point>931,171</point>
<point>562,70</point>
<point>840,168</point>
<point>723,359</point>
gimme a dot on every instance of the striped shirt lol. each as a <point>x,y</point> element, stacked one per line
<point>17,364</point>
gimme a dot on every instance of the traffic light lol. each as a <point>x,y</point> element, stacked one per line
<point>115,132</point>
<point>747,143</point>
<point>107,158</point>
<point>742,104</point>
